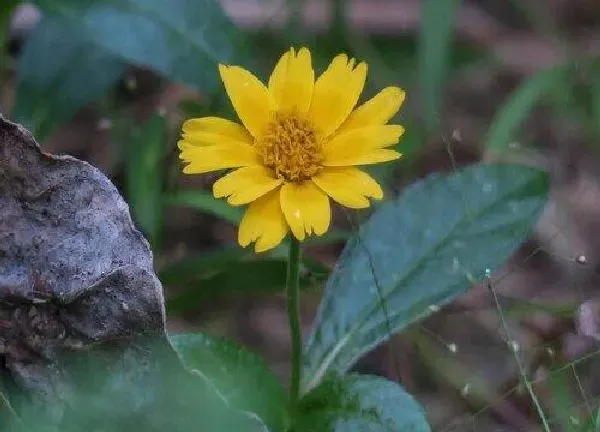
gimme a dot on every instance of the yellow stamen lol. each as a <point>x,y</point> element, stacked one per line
<point>290,147</point>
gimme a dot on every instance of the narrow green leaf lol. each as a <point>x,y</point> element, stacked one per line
<point>517,107</point>
<point>242,277</point>
<point>197,266</point>
<point>240,376</point>
<point>144,177</point>
<point>356,403</point>
<point>59,72</point>
<point>435,42</point>
<point>249,277</point>
<point>204,201</point>
<point>181,39</point>
<point>595,91</point>
<point>420,250</point>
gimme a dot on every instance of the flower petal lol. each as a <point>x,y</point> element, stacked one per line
<point>367,157</point>
<point>263,223</point>
<point>250,98</point>
<point>292,81</point>
<point>245,184</point>
<point>228,154</point>
<point>377,110</point>
<point>335,94</point>
<point>212,130</point>
<point>359,141</point>
<point>348,186</point>
<point>306,209</point>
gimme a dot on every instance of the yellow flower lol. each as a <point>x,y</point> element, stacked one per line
<point>299,144</point>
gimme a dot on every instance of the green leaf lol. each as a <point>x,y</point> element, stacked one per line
<point>435,37</point>
<point>241,377</point>
<point>144,177</point>
<point>194,267</point>
<point>59,72</point>
<point>258,277</point>
<point>519,104</point>
<point>243,277</point>
<point>356,403</point>
<point>595,92</point>
<point>420,250</point>
<point>205,202</point>
<point>181,39</point>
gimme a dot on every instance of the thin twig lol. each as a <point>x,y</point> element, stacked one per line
<point>522,371</point>
<point>582,391</point>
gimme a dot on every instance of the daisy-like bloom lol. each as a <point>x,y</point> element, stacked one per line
<point>299,144</point>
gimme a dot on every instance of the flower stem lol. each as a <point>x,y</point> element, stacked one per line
<point>293,311</point>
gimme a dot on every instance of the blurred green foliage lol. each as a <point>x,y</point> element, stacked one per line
<point>53,83</point>
<point>519,105</point>
<point>435,42</point>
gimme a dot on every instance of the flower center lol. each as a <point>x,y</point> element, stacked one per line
<point>290,147</point>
